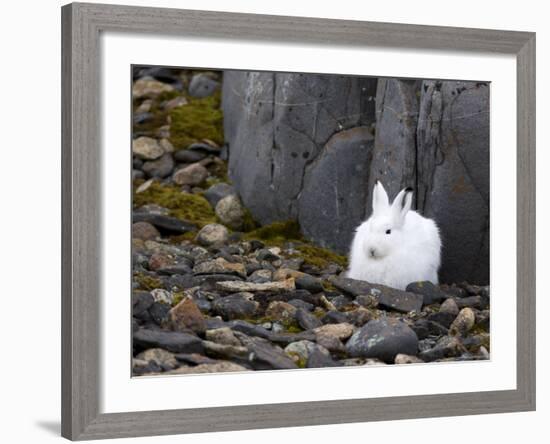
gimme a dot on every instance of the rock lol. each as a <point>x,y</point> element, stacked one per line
<point>159,260</point>
<point>431,293</point>
<point>176,102</point>
<point>161,357</point>
<point>306,320</point>
<point>212,234</point>
<point>195,359</point>
<point>149,87</point>
<point>310,355</point>
<point>224,351</point>
<point>463,323</point>
<point>260,276</point>
<point>141,301</point>
<point>217,367</point>
<point>202,86</point>
<point>235,306</point>
<point>145,106</point>
<point>249,329</point>
<point>223,335</point>
<point>359,317</point>
<point>140,118</point>
<point>146,148</point>
<point>144,231</point>
<point>331,343</point>
<point>334,317</point>
<point>159,312</point>
<point>446,347</point>
<point>174,342</point>
<point>407,359</point>
<point>278,127</point>
<point>266,254</point>
<point>230,212</point>
<point>281,312</point>
<point>449,306</point>
<point>342,303</point>
<point>234,287</point>
<point>384,340</point>
<point>192,175</point>
<point>161,295</point>
<point>203,147</point>
<point>389,298</point>
<point>137,174</point>
<point>188,156</point>
<point>299,303</point>
<point>141,367</point>
<point>217,191</point>
<point>160,168</point>
<point>167,224</point>
<point>424,328</point>
<point>220,266</point>
<point>478,302</point>
<point>367,301</point>
<point>340,331</point>
<point>183,266</point>
<point>443,318</point>
<point>264,354</point>
<point>187,316</point>
<point>309,283</point>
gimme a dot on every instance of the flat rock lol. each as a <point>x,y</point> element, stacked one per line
<point>186,315</point>
<point>167,224</point>
<point>235,287</point>
<point>430,292</point>
<point>146,148</point>
<point>220,266</point>
<point>149,87</point>
<point>160,168</point>
<point>264,353</point>
<point>384,340</point>
<point>174,342</point>
<point>306,320</point>
<point>216,367</point>
<point>192,175</point>
<point>235,306</point>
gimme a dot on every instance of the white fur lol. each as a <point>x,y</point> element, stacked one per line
<point>410,253</point>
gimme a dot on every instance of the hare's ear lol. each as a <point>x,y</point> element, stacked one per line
<point>402,204</point>
<point>380,201</point>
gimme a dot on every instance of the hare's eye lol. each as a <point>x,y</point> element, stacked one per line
<point>388,231</point>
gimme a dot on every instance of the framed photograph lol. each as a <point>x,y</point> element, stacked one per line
<point>277,221</point>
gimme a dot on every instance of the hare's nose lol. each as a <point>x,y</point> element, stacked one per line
<point>372,252</point>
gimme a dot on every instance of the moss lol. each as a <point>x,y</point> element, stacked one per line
<point>276,233</point>
<point>320,257</point>
<point>294,329</point>
<point>147,282</point>
<point>177,297</point>
<point>249,224</point>
<point>178,239</point>
<point>185,206</point>
<point>199,119</point>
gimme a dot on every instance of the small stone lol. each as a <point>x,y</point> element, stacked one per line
<point>159,260</point>
<point>367,300</point>
<point>407,359</point>
<point>176,102</point>
<point>223,335</point>
<point>299,303</point>
<point>194,359</point>
<point>224,351</point>
<point>478,302</point>
<point>284,273</point>
<point>141,301</point>
<point>217,367</point>
<point>161,295</point>
<point>235,286</point>
<point>163,223</point>
<point>159,168</point>
<point>424,328</point>
<point>265,254</point>
<point>212,234</point>
<point>144,231</point>
<point>306,320</point>
<point>187,156</point>
<point>446,347</point>
<point>331,343</point>
<point>174,342</point>
<point>449,306</point>
<point>167,146</point>
<point>384,340</point>
<point>146,148</point>
<point>160,357</point>
<point>145,106</point>
<point>202,86</point>
<point>163,132</point>
<point>430,292</point>
<point>187,316</point>
<point>217,191</point>
<point>359,317</point>
<point>220,266</point>
<point>137,174</point>
<point>463,323</point>
<point>442,318</point>
<point>149,87</point>
<point>281,312</point>
<point>159,312</point>
<point>340,331</point>
<point>260,276</point>
<point>309,283</point>
<point>236,306</point>
<point>264,354</point>
<point>231,212</point>
<point>334,317</point>
<point>192,175</point>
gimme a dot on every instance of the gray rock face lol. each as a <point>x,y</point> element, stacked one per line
<point>300,147</point>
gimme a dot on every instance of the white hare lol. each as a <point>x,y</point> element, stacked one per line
<point>395,246</point>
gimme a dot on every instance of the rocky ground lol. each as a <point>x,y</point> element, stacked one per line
<point>215,292</point>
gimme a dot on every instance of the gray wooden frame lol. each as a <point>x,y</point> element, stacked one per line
<point>81,26</point>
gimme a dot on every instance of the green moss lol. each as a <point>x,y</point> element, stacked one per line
<point>320,257</point>
<point>185,206</point>
<point>199,119</point>
<point>276,233</point>
<point>177,297</point>
<point>147,282</point>
<point>294,329</point>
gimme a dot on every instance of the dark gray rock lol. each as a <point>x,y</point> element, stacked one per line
<point>249,329</point>
<point>453,174</point>
<point>309,283</point>
<point>202,86</point>
<point>443,318</point>
<point>160,168</point>
<point>159,312</point>
<point>165,224</point>
<point>188,156</point>
<point>264,354</point>
<point>217,192</point>
<point>424,328</point>
<point>235,306</point>
<point>204,148</point>
<point>299,303</point>
<point>141,301</point>
<point>334,317</point>
<point>446,347</point>
<point>431,293</point>
<point>174,342</point>
<point>306,320</point>
<point>383,339</point>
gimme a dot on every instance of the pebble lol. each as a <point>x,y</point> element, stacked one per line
<point>212,234</point>
<point>144,231</point>
<point>187,316</point>
<point>463,323</point>
<point>193,174</point>
<point>449,306</point>
<point>230,211</point>
<point>149,87</point>
<point>234,287</point>
<point>146,148</point>
<point>159,168</point>
<point>235,306</point>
